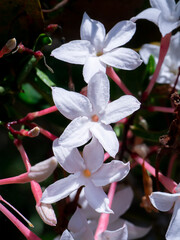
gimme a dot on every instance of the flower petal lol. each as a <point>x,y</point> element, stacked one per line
<point>166,26</point>
<point>166,6</point>
<point>93,155</point>
<point>147,50</point>
<point>173,231</point>
<point>110,172</point>
<point>120,108</point>
<point>98,92</point>
<point>151,14</point>
<point>76,133</point>
<point>92,66</point>
<point>120,34</point>
<point>93,31</point>
<point>120,233</point>
<point>73,52</point>
<point>121,203</point>
<point>122,58</point>
<point>136,232</point>
<point>97,198</point>
<point>107,137</point>
<point>66,236</point>
<point>69,158</point>
<point>71,104</point>
<point>61,188</point>
<point>163,201</point>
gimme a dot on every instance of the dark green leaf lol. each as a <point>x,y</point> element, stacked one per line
<point>43,77</point>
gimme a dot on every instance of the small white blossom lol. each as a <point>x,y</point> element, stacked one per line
<point>171,64</point>
<point>89,171</point>
<point>92,115</point>
<point>96,49</point>
<point>164,13</point>
<point>164,202</point>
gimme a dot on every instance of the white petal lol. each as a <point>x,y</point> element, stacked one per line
<point>110,172</point>
<point>92,66</point>
<point>71,104</point>
<point>120,34</point>
<point>61,188</point>
<point>66,236</point>
<point>167,26</point>
<point>93,155</point>
<point>92,31</point>
<point>136,232</point>
<point>166,6</point>
<point>69,158</point>
<point>122,58</point>
<point>173,231</point>
<point>97,198</point>
<point>119,234</point>
<point>107,137</point>
<point>73,52</point>
<point>98,92</point>
<point>76,133</point>
<point>120,108</point>
<point>121,203</point>
<point>151,14</point>
<point>147,50</point>
<point>163,201</point>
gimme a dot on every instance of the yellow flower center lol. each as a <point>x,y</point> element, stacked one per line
<point>95,118</point>
<point>99,54</point>
<point>87,173</point>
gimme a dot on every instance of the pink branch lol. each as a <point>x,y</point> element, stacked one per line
<point>168,183</point>
<point>111,73</point>
<point>160,109</point>
<point>23,178</point>
<point>104,218</point>
<point>165,41</point>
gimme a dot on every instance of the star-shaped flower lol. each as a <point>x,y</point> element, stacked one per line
<point>170,67</point>
<point>89,171</point>
<point>92,115</point>
<point>164,202</point>
<point>96,49</point>
<point>165,14</point>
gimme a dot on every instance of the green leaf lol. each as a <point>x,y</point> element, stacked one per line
<point>29,94</point>
<point>42,40</point>
<point>151,66</point>
<point>44,78</point>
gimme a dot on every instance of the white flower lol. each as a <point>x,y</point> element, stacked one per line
<point>96,49</point>
<point>121,203</point>
<point>65,236</point>
<point>92,115</point>
<point>88,171</point>
<point>164,13</point>
<point>164,202</point>
<point>171,64</point>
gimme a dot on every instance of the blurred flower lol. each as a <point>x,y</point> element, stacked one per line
<point>170,67</point>
<point>165,14</point>
<point>95,50</point>
<point>92,115</point>
<point>89,171</point>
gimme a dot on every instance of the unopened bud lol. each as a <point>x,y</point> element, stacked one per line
<point>141,149</point>
<point>46,213</point>
<point>34,132</point>
<point>41,171</point>
<point>11,44</point>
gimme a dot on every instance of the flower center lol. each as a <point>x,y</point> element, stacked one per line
<point>87,173</point>
<point>98,54</point>
<point>95,118</point>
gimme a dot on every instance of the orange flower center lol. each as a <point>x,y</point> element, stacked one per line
<point>87,173</point>
<point>95,118</point>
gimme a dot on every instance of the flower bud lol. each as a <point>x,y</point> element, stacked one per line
<point>41,171</point>
<point>11,44</point>
<point>46,213</point>
<point>34,132</point>
<point>142,150</point>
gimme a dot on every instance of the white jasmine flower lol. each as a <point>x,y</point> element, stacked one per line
<point>164,202</point>
<point>171,64</point>
<point>164,13</point>
<point>65,236</point>
<point>121,203</point>
<point>96,49</point>
<point>92,115</point>
<point>89,171</point>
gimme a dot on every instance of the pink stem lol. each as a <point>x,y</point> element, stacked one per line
<point>168,183</point>
<point>47,134</point>
<point>165,41</point>
<point>171,163</point>
<point>160,109</point>
<point>106,156</point>
<point>111,73</point>
<point>22,228</point>
<point>36,190</point>
<point>104,218</point>
<point>22,178</point>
